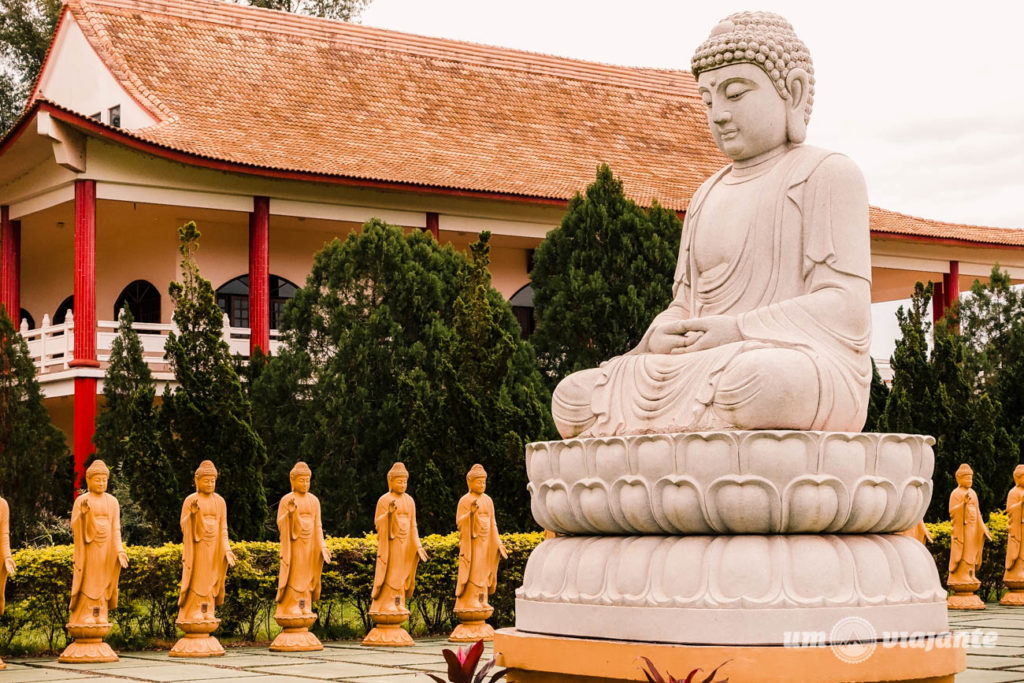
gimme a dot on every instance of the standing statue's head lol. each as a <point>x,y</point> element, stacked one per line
<point>300,477</point>
<point>206,477</point>
<point>96,477</point>
<point>398,479</point>
<point>756,78</point>
<point>476,478</point>
<point>964,476</point>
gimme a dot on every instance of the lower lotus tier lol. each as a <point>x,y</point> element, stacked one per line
<point>745,590</point>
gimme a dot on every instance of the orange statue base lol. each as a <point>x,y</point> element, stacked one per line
<point>1015,595</point>
<point>963,596</point>
<point>532,658</point>
<point>388,631</point>
<point>296,636</point>
<point>473,626</point>
<point>2,665</point>
<point>197,641</point>
<point>87,646</point>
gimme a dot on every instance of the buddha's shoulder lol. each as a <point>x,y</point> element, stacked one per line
<point>819,162</point>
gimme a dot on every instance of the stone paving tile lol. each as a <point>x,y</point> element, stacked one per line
<point>17,673</point>
<point>400,678</point>
<point>989,662</point>
<point>978,676</point>
<point>323,670</point>
<point>392,658</point>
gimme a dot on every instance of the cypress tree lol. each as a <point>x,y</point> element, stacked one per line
<point>601,277</point>
<point>207,415</point>
<point>35,465</point>
<point>876,400</point>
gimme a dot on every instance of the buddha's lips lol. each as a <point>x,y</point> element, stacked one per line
<point>729,133</point>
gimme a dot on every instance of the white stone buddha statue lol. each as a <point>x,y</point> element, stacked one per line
<point>770,322</point>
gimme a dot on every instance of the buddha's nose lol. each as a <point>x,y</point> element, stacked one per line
<point>721,115</point>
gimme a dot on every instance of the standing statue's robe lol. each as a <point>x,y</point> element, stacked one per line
<point>798,287</point>
<point>204,553</point>
<point>302,546</point>
<point>479,550</point>
<point>398,541</point>
<point>97,535</point>
<point>967,538</point>
<point>1015,531</point>
<point>5,549</point>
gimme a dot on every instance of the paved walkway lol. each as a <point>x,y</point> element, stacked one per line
<point>348,661</point>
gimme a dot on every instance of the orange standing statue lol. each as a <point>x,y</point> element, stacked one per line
<point>966,543</point>
<point>480,549</point>
<point>205,558</point>
<point>99,557</point>
<point>6,561</point>
<point>303,554</point>
<point>1013,578</point>
<point>398,552</point>
<point>919,532</point>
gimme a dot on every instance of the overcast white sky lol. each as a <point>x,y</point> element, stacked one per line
<point>928,97</point>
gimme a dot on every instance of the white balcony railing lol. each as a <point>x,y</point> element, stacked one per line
<point>51,347</point>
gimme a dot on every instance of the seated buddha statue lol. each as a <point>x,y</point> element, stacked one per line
<point>770,320</point>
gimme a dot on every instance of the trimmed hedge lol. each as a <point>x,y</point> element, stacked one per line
<point>38,595</point>
<point>992,559</point>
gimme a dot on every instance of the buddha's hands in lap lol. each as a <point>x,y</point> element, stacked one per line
<point>696,334</point>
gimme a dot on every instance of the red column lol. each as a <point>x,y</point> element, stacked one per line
<point>259,275</point>
<point>938,301</point>
<point>432,225</point>
<point>10,265</point>
<point>85,324</point>
<point>951,283</point>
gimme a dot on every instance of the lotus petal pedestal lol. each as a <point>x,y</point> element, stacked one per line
<point>296,636</point>
<point>388,631</point>
<point>473,625</point>
<point>1015,595</point>
<point>197,641</point>
<point>87,646</point>
<point>964,596</point>
<point>775,551</point>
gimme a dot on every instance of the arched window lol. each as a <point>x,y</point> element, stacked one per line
<point>522,309</point>
<point>62,311</point>
<point>26,316</point>
<point>233,299</point>
<point>142,299</point>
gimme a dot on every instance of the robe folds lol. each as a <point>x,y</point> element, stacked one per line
<point>5,548</point>
<point>302,545</point>
<point>798,288</point>
<point>204,548</point>
<point>479,544</point>
<point>398,540</point>
<point>96,525</point>
<point>967,540</point>
<point>1015,526</point>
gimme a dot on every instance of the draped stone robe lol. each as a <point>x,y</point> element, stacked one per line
<point>1015,533</point>
<point>302,546</point>
<point>797,284</point>
<point>96,525</point>
<point>5,548</point>
<point>479,552</point>
<point>204,556</point>
<point>967,537</point>
<point>398,540</point>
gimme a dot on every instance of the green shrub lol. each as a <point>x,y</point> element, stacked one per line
<point>38,594</point>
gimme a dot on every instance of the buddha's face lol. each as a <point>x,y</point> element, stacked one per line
<point>300,483</point>
<point>206,484</point>
<point>1018,475</point>
<point>97,483</point>
<point>746,115</point>
<point>965,479</point>
<point>398,484</point>
<point>478,485</point>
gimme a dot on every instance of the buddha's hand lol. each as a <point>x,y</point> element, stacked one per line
<point>230,558</point>
<point>9,565</point>
<point>668,337</point>
<point>501,549</point>
<point>326,554</point>
<point>422,553</point>
<point>711,332</point>
<point>122,558</point>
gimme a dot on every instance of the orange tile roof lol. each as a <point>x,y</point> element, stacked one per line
<point>297,93</point>
<point>291,93</point>
<point>895,223</point>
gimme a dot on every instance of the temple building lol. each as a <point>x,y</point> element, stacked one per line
<point>277,132</point>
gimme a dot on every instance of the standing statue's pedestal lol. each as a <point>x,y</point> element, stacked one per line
<point>387,630</point>
<point>774,551</point>
<point>473,625</point>
<point>198,641</point>
<point>1015,595</point>
<point>964,596</point>
<point>296,636</point>
<point>87,646</point>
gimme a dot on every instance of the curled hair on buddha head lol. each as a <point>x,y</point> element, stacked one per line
<point>301,469</point>
<point>476,472</point>
<point>767,41</point>
<point>206,469</point>
<point>398,470</point>
<point>97,467</point>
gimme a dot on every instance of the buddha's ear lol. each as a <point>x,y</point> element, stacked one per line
<point>796,107</point>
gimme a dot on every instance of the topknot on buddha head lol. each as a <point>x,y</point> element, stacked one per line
<point>763,39</point>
